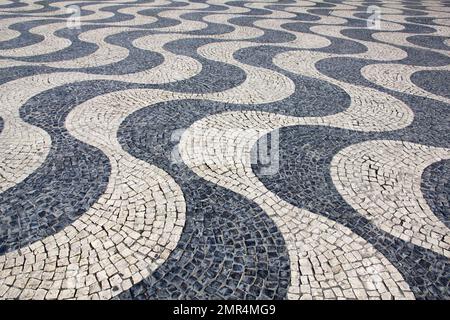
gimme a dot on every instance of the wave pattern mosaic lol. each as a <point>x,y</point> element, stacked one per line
<point>213,149</point>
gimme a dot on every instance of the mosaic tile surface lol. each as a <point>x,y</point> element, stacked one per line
<point>216,149</point>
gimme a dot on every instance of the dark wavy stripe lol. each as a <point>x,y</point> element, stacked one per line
<point>434,81</point>
<point>436,189</point>
<point>76,49</point>
<point>70,180</point>
<point>422,20</point>
<point>431,117</point>
<point>161,22</point>
<point>323,5</point>
<point>427,111</point>
<point>303,180</point>
<point>269,36</point>
<point>26,38</point>
<point>429,41</point>
<point>146,135</point>
<point>251,11</point>
<point>66,14</point>
<point>14,73</point>
<point>416,56</point>
<point>211,7</point>
<point>404,12</point>
<point>173,4</point>
<point>312,97</point>
<point>46,8</point>
<point>137,60</point>
<point>298,15</point>
<point>211,29</point>
<point>338,45</point>
<point>229,247</point>
<point>212,76</point>
<point>15,4</point>
<point>117,17</point>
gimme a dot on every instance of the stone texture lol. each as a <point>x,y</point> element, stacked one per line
<point>224,150</point>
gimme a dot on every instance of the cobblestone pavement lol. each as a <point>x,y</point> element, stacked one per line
<point>217,149</point>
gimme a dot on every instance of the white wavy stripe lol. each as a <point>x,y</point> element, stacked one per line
<point>369,110</point>
<point>399,38</point>
<point>382,181</point>
<point>217,148</point>
<point>96,122</point>
<point>26,146</point>
<point>397,77</point>
<point>123,237</point>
